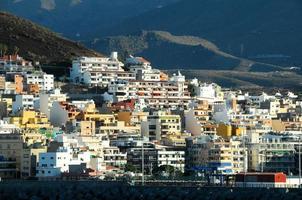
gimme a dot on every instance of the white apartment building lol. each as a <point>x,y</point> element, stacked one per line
<point>43,80</point>
<point>103,78</point>
<point>23,102</point>
<point>45,101</point>
<point>169,91</point>
<point>98,71</point>
<point>257,99</point>
<point>272,153</point>
<point>114,158</point>
<point>7,128</point>
<point>82,104</point>
<point>272,105</point>
<point>173,158</point>
<point>52,164</point>
<point>207,91</point>
<point>142,69</point>
<point>10,88</point>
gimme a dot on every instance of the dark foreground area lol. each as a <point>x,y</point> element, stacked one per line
<point>103,191</point>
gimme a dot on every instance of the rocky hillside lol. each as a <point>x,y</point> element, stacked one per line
<point>266,31</point>
<point>262,31</point>
<point>80,19</point>
<point>169,51</point>
<point>36,42</point>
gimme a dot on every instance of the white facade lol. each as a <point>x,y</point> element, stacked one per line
<point>175,159</point>
<point>82,104</point>
<point>45,101</point>
<point>91,70</point>
<point>261,98</point>
<point>173,90</point>
<point>43,80</point>
<point>52,164</point>
<point>193,125</point>
<point>23,102</point>
<point>142,69</point>
<point>103,78</point>
<point>6,128</point>
<point>113,157</point>
<point>58,115</point>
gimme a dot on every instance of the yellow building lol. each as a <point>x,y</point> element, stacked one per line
<point>175,139</point>
<point>29,159</point>
<point>132,118</point>
<point>119,127</point>
<point>87,128</point>
<point>19,152</point>
<point>228,156</point>
<point>90,113</point>
<point>29,119</point>
<point>31,136</point>
<point>224,130</point>
<point>227,131</point>
<point>9,103</point>
<point>11,146</point>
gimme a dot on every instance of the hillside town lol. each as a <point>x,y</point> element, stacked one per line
<point>144,124</point>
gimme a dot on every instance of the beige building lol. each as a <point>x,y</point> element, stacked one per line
<point>19,152</point>
<point>160,124</point>
<point>87,128</point>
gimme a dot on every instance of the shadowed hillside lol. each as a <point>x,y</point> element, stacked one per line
<point>37,43</point>
<point>265,31</point>
<point>170,51</point>
<point>80,19</point>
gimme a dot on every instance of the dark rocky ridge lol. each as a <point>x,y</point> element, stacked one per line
<point>169,51</point>
<point>265,31</point>
<point>37,43</point>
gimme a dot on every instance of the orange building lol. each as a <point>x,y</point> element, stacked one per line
<point>163,76</point>
<point>2,82</point>
<point>33,89</point>
<point>19,84</point>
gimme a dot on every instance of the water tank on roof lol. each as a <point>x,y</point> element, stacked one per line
<point>114,55</point>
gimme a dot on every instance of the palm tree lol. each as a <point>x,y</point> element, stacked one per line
<point>16,50</point>
<point>3,49</point>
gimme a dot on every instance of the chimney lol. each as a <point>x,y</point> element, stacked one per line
<point>114,55</point>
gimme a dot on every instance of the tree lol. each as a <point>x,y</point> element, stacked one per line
<point>163,169</point>
<point>16,50</point>
<point>191,90</point>
<point>3,49</point>
<point>130,168</point>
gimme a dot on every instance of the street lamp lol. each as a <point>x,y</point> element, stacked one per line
<point>299,162</point>
<point>143,162</point>
<point>177,161</point>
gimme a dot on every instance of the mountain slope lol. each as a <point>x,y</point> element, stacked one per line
<point>80,19</point>
<point>267,31</point>
<point>37,43</point>
<point>248,80</point>
<point>170,51</point>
